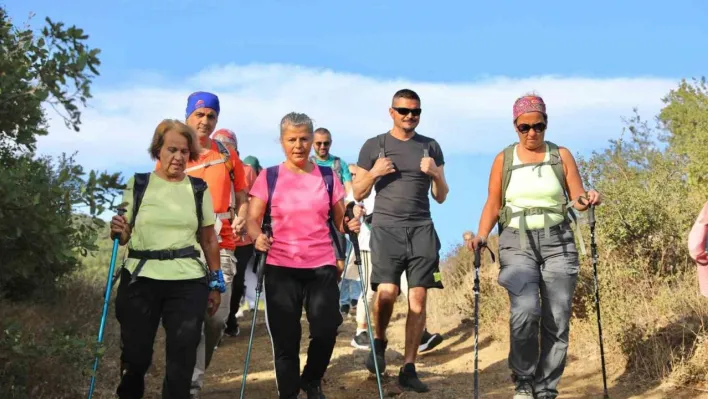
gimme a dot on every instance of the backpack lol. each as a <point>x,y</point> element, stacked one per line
<point>336,166</point>
<point>505,213</point>
<point>140,183</point>
<point>272,178</point>
<point>225,159</point>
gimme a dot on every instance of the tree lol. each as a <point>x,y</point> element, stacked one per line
<point>685,118</point>
<point>55,67</point>
<point>43,231</point>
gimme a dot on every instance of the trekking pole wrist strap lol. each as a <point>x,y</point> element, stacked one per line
<point>216,281</point>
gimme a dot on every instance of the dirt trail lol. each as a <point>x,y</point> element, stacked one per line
<point>448,369</point>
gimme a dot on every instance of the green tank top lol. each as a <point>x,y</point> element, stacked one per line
<point>532,187</point>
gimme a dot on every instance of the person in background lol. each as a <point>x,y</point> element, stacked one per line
<point>323,157</point>
<point>698,248</point>
<point>244,249</point>
<point>163,278</point>
<point>300,264</point>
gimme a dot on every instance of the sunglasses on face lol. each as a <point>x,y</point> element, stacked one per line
<point>406,111</point>
<point>537,127</point>
<point>322,143</point>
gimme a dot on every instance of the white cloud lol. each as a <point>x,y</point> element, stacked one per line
<point>466,118</point>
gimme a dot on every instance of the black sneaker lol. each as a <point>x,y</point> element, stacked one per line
<point>408,379</point>
<point>429,341</point>
<point>232,329</point>
<point>380,346</point>
<point>313,389</point>
<point>344,310</point>
<point>361,340</point>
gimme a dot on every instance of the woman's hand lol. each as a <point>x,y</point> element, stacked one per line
<point>214,302</point>
<point>594,198</point>
<point>263,243</point>
<point>353,224</point>
<point>119,226</point>
<point>359,211</point>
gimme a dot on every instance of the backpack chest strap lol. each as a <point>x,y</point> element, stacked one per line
<point>205,165</point>
<point>163,254</point>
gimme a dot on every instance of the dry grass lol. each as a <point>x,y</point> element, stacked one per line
<point>654,328</point>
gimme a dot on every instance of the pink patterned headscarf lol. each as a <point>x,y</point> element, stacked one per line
<point>529,104</point>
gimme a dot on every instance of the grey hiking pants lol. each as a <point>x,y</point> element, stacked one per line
<point>541,281</point>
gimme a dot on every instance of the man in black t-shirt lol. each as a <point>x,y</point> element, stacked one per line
<point>403,166</point>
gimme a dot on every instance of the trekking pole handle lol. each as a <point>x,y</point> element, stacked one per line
<point>120,211</point>
<point>591,214</point>
<point>262,256</point>
<point>353,237</point>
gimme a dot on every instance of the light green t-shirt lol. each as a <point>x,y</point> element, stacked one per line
<point>529,189</point>
<point>167,220</point>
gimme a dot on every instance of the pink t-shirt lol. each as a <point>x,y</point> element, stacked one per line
<point>299,210</point>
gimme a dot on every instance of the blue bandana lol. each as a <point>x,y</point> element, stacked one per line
<point>202,99</point>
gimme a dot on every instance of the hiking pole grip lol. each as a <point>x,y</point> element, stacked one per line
<point>262,256</point>
<point>591,215</point>
<point>353,237</point>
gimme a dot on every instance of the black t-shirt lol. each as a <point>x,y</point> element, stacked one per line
<point>401,197</point>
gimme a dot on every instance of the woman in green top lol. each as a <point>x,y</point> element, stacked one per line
<point>164,277</point>
<point>529,187</point>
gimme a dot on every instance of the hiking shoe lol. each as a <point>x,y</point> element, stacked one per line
<point>429,341</point>
<point>344,310</point>
<point>232,331</point>
<point>361,340</point>
<point>380,346</point>
<point>524,388</point>
<point>409,381</point>
<point>313,389</point>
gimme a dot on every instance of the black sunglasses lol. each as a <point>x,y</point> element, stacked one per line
<point>406,111</point>
<point>537,127</point>
<point>322,143</point>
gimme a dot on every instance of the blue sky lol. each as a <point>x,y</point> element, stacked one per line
<point>341,62</point>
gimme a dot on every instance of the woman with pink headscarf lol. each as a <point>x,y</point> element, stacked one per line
<point>537,251</point>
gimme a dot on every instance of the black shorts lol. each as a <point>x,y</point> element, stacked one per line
<point>414,250</point>
<point>339,242</point>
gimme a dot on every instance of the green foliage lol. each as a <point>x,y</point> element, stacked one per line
<point>686,118</point>
<point>42,235</point>
<point>647,210</point>
<point>54,67</point>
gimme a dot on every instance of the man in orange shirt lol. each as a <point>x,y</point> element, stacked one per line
<point>245,249</point>
<point>225,178</point>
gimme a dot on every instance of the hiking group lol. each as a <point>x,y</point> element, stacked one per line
<point>296,215</point>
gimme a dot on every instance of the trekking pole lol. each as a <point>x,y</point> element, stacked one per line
<point>106,300</point>
<point>259,287</point>
<point>593,251</point>
<point>357,261</point>
<point>346,264</point>
<point>477,265</point>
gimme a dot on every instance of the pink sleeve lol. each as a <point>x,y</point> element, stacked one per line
<point>697,238</point>
<point>337,191</point>
<point>260,187</point>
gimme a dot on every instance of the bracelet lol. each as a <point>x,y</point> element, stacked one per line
<point>216,281</point>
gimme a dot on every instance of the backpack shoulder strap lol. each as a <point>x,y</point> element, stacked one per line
<point>140,182</point>
<point>557,165</point>
<point>327,176</point>
<point>271,179</point>
<point>508,161</point>
<point>199,186</point>
<point>382,145</point>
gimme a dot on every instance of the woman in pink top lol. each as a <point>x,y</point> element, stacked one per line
<point>300,266</point>
<point>698,248</point>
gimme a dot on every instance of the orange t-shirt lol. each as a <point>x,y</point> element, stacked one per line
<point>219,182</point>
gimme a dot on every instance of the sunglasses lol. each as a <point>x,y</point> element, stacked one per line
<point>537,127</point>
<point>322,143</point>
<point>406,111</point>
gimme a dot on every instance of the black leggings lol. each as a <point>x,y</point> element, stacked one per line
<point>243,255</point>
<point>287,290</point>
<point>181,305</point>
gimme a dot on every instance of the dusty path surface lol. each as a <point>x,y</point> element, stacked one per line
<point>448,369</point>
